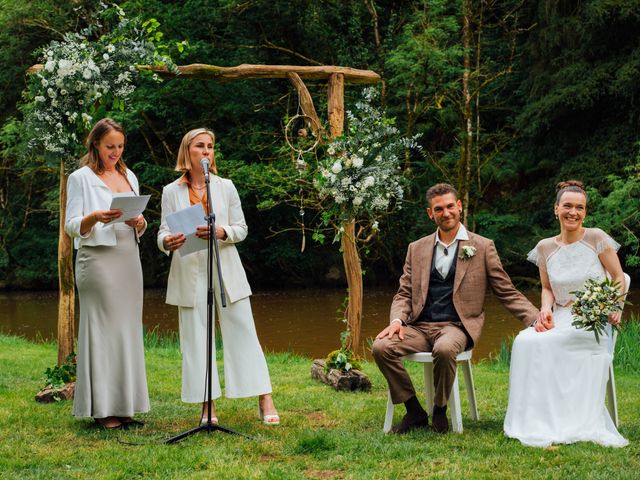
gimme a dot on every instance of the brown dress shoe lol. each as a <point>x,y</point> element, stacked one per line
<point>411,422</point>
<point>439,422</point>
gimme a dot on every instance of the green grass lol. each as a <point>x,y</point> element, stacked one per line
<point>324,434</point>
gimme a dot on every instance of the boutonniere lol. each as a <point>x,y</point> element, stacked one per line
<point>467,252</point>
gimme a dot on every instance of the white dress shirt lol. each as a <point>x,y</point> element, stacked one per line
<point>442,260</point>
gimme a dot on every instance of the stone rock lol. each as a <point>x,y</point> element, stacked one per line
<point>50,395</point>
<point>347,382</point>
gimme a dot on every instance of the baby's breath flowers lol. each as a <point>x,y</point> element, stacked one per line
<point>360,177</point>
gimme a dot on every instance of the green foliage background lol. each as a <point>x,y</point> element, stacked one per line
<point>562,103</point>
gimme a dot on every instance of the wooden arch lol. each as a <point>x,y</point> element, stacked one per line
<point>336,78</point>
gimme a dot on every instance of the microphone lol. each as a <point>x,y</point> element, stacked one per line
<point>205,166</point>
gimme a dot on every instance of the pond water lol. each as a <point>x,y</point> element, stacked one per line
<point>300,321</point>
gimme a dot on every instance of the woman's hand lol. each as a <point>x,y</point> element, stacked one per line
<point>203,232</point>
<point>545,320</point>
<point>614,318</point>
<point>136,222</point>
<point>106,216</point>
<point>174,242</point>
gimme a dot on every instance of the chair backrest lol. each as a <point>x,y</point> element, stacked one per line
<point>611,333</point>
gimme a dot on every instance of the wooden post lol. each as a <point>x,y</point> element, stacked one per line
<point>66,298</point>
<point>350,256</point>
<point>306,102</point>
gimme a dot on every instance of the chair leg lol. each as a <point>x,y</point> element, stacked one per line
<point>454,406</point>
<point>429,389</point>
<point>471,389</point>
<point>612,404</point>
<point>388,419</point>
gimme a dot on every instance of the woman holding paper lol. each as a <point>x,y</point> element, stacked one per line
<point>245,368</point>
<point>111,383</point>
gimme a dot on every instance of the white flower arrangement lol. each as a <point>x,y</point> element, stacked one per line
<point>467,252</point>
<point>361,174</point>
<point>593,305</point>
<point>80,74</point>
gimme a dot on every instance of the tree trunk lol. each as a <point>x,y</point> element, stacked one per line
<point>350,256</point>
<point>66,299</point>
<point>464,171</point>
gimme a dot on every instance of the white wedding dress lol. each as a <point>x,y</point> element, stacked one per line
<point>558,378</point>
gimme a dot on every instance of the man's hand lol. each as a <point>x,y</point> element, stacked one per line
<point>545,320</point>
<point>391,330</point>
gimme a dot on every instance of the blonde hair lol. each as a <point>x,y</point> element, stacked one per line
<point>183,163</point>
<point>92,157</point>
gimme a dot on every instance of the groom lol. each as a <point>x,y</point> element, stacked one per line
<point>439,307</point>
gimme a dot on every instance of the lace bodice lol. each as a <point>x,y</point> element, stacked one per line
<point>568,266</point>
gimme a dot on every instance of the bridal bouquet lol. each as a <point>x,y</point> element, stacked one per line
<point>594,304</point>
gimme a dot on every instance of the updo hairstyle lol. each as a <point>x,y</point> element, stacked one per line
<point>570,186</point>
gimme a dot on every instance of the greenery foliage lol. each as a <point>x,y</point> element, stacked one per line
<point>79,75</point>
<point>361,177</point>
<point>554,85</point>
<point>57,376</point>
<point>343,359</point>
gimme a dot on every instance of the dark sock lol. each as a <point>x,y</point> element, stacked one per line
<point>438,410</point>
<point>413,407</point>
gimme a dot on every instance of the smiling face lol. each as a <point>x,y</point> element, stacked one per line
<point>200,147</point>
<point>571,210</point>
<point>110,148</point>
<point>445,211</point>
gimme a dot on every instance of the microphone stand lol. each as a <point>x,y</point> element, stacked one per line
<point>212,244</point>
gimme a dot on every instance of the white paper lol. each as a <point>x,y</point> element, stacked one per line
<point>185,221</point>
<point>130,204</point>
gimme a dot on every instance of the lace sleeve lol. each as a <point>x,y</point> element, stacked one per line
<point>607,243</point>
<point>600,241</point>
<point>536,257</point>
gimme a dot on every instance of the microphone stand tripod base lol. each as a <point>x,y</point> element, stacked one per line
<point>207,427</point>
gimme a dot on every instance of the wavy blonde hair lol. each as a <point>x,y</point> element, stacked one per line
<point>92,157</point>
<point>183,163</point>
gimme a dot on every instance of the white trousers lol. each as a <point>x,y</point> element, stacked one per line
<point>245,368</point>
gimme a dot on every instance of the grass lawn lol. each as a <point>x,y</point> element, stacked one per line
<point>324,434</point>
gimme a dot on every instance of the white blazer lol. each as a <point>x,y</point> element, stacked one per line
<point>181,286</point>
<point>86,193</point>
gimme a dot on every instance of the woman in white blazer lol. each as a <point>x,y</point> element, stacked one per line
<point>245,368</point>
<point>111,383</point>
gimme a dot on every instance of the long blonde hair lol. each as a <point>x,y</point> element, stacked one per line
<point>92,157</point>
<point>183,163</point>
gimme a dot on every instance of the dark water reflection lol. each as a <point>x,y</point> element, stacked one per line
<point>301,321</point>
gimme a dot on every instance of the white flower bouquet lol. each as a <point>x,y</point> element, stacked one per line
<point>84,71</point>
<point>360,177</point>
<point>594,303</point>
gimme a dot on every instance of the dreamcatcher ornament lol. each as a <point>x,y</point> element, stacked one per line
<point>303,141</point>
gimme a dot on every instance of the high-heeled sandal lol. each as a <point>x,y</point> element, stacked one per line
<point>270,419</point>
<point>203,420</point>
<point>103,423</point>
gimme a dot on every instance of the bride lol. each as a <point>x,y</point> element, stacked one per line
<point>559,373</point>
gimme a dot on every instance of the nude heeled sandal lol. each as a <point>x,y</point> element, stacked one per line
<point>272,419</point>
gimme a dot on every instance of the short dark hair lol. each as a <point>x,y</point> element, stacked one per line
<point>440,189</point>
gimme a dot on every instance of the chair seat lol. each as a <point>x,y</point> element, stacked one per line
<point>464,362</point>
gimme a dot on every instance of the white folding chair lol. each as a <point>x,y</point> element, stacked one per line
<point>612,403</point>
<point>464,362</point>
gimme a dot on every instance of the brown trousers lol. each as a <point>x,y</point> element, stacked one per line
<point>445,340</point>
